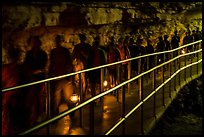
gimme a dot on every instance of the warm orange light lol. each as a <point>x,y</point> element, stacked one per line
<point>74,98</point>
<point>105,83</point>
<point>182,51</point>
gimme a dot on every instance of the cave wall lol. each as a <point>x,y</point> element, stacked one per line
<point>148,19</point>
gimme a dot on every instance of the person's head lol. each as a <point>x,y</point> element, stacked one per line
<point>197,29</point>
<point>160,38</point>
<point>97,38</point>
<point>139,41</point>
<point>131,41</point>
<point>165,37</point>
<point>96,41</point>
<point>82,37</point>
<point>111,43</point>
<point>188,33</point>
<point>149,42</point>
<point>59,39</point>
<point>175,32</point>
<point>14,54</point>
<point>34,41</point>
<point>112,39</point>
<point>120,42</point>
<point>126,40</point>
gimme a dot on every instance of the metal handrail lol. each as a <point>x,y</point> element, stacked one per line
<point>105,93</point>
<point>150,95</point>
<point>114,88</point>
<point>102,66</point>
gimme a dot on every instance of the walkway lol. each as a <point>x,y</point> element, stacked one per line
<point>108,112</point>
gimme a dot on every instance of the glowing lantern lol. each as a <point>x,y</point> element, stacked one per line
<point>75,98</point>
<point>105,83</point>
<point>182,51</point>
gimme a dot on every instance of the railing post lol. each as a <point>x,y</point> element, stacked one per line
<point>139,79</point>
<point>123,110</point>
<point>191,66</point>
<point>142,114</point>
<point>102,79</point>
<point>48,107</point>
<point>197,57</point>
<point>174,72</point>
<point>148,62</point>
<point>153,85</point>
<point>117,80</point>
<point>81,100</point>
<point>169,76</point>
<point>163,97</point>
<point>91,110</point>
<point>91,118</point>
<point>179,63</point>
<point>185,69</point>
<point>129,75</point>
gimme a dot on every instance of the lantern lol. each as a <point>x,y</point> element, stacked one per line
<point>75,98</point>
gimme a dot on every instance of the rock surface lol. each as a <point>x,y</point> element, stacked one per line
<point>184,115</point>
<point>148,19</point>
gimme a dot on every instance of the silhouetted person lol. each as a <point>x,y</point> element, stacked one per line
<point>113,55</point>
<point>134,52</point>
<point>197,37</point>
<point>82,50</point>
<point>60,64</point>
<point>124,54</point>
<point>188,39</point>
<point>81,55</point>
<point>60,59</point>
<point>34,64</point>
<point>167,47</point>
<point>150,50</point>
<point>97,58</point>
<point>160,47</point>
<point>175,43</point>
<point>142,52</point>
<point>14,112</point>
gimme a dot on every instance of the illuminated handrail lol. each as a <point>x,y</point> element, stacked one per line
<point>115,88</point>
<point>98,67</point>
<point>150,95</point>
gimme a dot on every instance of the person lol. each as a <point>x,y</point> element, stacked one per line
<point>142,50</point>
<point>113,55</point>
<point>81,54</point>
<point>197,37</point>
<point>188,39</point>
<point>34,66</point>
<point>82,50</point>
<point>124,54</point>
<point>167,47</point>
<point>175,42</point>
<point>150,50</point>
<point>60,64</point>
<point>14,113</point>
<point>159,48</point>
<point>95,59</point>
<point>134,52</point>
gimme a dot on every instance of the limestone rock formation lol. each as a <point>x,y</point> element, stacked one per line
<point>149,19</point>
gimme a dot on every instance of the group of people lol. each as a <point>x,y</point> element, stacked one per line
<point>190,37</point>
<point>21,107</point>
<point>127,47</point>
<point>28,103</point>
